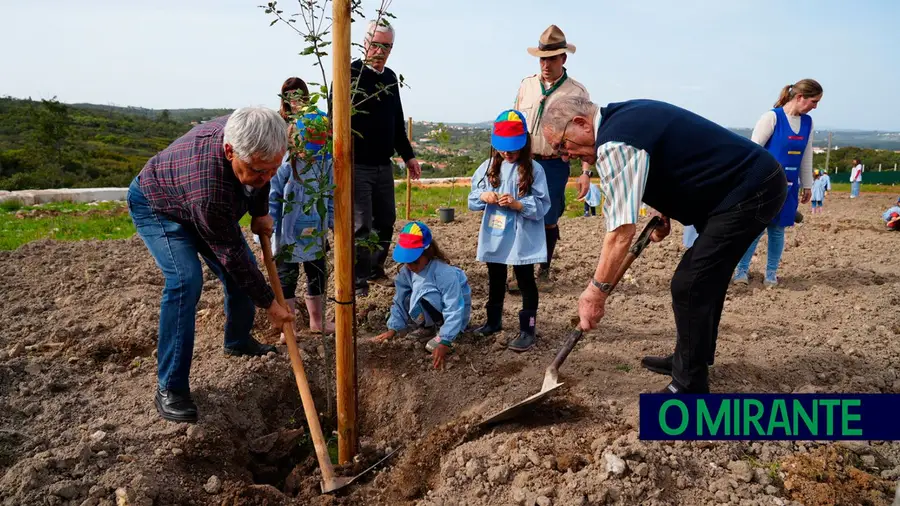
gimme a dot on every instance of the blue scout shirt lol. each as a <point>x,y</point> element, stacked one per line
<point>444,287</point>
<point>506,236</point>
<point>292,225</point>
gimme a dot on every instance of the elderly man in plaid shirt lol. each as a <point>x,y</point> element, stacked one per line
<point>186,203</point>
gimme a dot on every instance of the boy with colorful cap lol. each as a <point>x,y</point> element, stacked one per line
<point>431,296</point>
<point>511,189</point>
<point>298,234</point>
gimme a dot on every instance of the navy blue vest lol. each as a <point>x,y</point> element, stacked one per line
<point>697,168</point>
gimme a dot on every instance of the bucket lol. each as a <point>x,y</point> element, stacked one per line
<point>446,214</point>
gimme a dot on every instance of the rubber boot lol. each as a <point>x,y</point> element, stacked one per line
<point>292,307</point>
<point>494,322</point>
<point>663,365</point>
<point>315,304</point>
<point>526,338</point>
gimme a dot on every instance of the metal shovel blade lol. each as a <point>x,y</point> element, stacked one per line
<point>550,384</point>
<point>338,482</point>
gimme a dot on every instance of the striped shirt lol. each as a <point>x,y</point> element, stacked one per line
<point>623,173</point>
<point>192,182</point>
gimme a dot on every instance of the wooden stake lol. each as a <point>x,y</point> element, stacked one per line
<point>345,340</point>
<point>408,180</point>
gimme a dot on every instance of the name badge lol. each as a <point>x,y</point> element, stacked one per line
<point>497,221</point>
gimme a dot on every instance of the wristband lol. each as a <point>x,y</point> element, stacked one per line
<point>603,287</point>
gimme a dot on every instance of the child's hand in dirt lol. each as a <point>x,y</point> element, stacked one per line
<point>439,355</point>
<point>384,336</point>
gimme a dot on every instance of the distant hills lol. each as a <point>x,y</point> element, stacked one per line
<point>47,144</point>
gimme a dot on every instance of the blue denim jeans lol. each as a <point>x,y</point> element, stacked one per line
<point>557,173</point>
<point>854,188</point>
<point>176,247</point>
<point>773,257</point>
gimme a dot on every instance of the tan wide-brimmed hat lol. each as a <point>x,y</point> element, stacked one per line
<point>551,43</point>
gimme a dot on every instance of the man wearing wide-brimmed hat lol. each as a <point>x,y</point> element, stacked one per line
<point>535,94</point>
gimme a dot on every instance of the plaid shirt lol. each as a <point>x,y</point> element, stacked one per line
<point>192,182</point>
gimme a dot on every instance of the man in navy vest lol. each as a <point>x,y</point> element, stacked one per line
<point>686,168</point>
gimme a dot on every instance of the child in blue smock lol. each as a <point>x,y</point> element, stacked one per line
<point>591,200</point>
<point>818,192</point>
<point>431,296</point>
<point>298,229</point>
<point>511,189</point>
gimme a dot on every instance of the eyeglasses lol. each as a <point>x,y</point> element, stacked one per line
<point>560,147</point>
<point>384,46</point>
<point>261,171</point>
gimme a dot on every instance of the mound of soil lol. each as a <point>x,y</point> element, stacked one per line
<point>78,369</point>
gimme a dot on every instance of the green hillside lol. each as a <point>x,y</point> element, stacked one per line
<point>47,144</point>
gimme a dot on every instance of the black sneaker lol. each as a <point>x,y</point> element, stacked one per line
<point>175,406</point>
<point>250,348</point>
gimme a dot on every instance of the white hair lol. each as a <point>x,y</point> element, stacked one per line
<point>563,109</point>
<point>256,131</point>
<point>381,26</point>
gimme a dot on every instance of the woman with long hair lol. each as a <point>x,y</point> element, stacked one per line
<point>787,132</point>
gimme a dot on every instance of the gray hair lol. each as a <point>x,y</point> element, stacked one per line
<point>256,131</point>
<point>382,26</point>
<point>563,109</point>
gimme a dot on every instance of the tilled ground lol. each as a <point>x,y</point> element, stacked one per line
<point>77,372</point>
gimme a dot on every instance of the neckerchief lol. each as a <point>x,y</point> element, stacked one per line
<point>546,93</point>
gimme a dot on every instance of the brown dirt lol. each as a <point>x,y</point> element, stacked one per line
<point>77,372</point>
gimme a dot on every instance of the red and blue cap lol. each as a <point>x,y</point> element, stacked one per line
<point>413,240</point>
<point>314,129</point>
<point>510,132</point>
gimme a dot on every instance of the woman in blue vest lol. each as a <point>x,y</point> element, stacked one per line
<point>787,132</point>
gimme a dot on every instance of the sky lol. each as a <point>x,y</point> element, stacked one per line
<point>463,59</point>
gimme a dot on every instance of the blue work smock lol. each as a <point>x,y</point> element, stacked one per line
<point>444,287</point>
<point>506,236</point>
<point>293,226</point>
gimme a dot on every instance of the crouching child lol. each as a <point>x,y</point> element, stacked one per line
<point>432,298</point>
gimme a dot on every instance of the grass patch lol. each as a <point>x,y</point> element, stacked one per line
<point>865,188</point>
<point>623,367</point>
<point>10,205</point>
<point>15,232</point>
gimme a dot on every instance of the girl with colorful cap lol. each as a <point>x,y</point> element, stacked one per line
<point>431,296</point>
<point>511,189</point>
<point>297,222</point>
<point>818,192</point>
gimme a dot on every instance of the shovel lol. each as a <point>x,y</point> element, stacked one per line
<point>330,482</point>
<point>551,375</point>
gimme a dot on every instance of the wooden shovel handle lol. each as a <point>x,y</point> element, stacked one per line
<point>635,251</point>
<point>309,407</point>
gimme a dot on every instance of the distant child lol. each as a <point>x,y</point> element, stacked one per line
<point>511,189</point>
<point>827,179</point>
<point>891,217</point>
<point>818,192</point>
<point>297,232</point>
<point>431,296</point>
<point>591,200</point>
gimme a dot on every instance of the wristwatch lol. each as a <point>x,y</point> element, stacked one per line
<point>603,287</point>
<point>586,172</point>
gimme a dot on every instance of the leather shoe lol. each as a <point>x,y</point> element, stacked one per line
<point>662,365</point>
<point>674,388</point>
<point>659,365</point>
<point>251,348</point>
<point>175,406</point>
